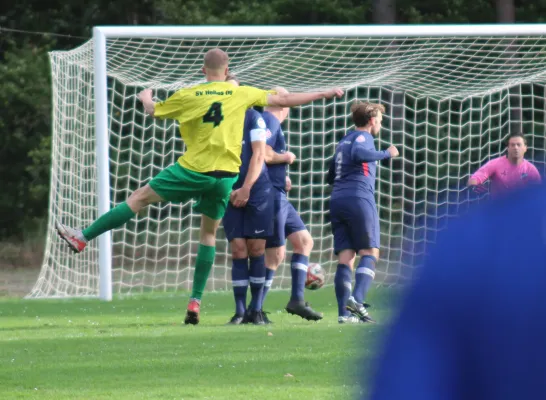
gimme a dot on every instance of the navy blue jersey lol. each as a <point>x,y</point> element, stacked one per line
<point>473,324</point>
<point>353,168</point>
<point>254,130</point>
<point>275,139</point>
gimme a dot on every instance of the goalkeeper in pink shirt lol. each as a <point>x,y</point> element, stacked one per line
<point>507,172</point>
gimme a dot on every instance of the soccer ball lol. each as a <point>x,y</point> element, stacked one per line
<point>315,277</point>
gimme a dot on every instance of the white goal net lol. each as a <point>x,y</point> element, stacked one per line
<point>451,101</point>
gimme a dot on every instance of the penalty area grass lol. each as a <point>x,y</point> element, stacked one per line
<point>138,348</point>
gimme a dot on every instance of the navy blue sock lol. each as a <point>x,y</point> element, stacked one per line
<point>342,283</point>
<point>257,281</point>
<point>239,280</point>
<point>365,272</point>
<point>299,265</point>
<point>269,273</point>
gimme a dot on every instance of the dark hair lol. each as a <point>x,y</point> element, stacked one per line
<point>363,112</point>
<point>516,135</point>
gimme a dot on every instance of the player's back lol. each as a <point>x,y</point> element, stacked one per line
<point>254,125</point>
<point>211,117</point>
<point>275,138</point>
<point>351,176</point>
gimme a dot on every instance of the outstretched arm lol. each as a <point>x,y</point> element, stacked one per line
<point>298,99</point>
<point>145,98</point>
<point>171,108</point>
<point>361,154</point>
<point>482,174</point>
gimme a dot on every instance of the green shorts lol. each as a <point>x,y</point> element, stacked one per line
<point>178,184</point>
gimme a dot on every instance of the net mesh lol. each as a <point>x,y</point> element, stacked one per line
<point>450,103</point>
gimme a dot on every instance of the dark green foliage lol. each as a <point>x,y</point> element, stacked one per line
<point>25,114</point>
<point>25,89</point>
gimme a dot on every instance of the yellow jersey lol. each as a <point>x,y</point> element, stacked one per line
<point>211,117</point>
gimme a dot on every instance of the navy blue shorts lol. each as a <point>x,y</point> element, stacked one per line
<point>253,221</point>
<point>355,224</point>
<point>286,222</point>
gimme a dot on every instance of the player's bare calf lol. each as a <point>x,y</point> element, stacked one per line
<point>73,237</point>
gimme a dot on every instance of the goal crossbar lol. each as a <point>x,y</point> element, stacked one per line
<point>217,31</point>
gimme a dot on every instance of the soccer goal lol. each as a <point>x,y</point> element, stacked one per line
<point>452,95</point>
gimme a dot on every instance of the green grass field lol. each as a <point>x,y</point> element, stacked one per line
<point>136,348</point>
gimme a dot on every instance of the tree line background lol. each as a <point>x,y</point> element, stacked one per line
<point>31,28</point>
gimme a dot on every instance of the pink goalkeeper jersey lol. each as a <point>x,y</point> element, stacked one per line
<point>505,176</point>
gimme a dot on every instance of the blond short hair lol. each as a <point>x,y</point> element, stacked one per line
<point>364,111</point>
<point>216,59</point>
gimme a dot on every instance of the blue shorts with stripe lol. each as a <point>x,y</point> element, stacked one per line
<point>355,223</point>
<point>286,222</point>
<point>253,221</point>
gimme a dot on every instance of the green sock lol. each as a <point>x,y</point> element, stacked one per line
<point>117,216</point>
<point>203,265</point>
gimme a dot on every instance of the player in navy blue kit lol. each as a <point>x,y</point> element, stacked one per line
<point>353,212</point>
<point>288,224</point>
<point>247,224</point>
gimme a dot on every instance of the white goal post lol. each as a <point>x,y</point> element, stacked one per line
<point>452,93</point>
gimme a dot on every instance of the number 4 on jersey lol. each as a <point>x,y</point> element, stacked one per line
<point>214,114</point>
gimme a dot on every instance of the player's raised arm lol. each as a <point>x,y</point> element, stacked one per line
<point>482,174</point>
<point>361,154</point>
<point>298,99</point>
<point>368,117</point>
<point>145,98</point>
<point>170,108</point>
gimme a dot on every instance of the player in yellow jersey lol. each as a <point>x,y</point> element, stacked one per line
<point>211,117</point>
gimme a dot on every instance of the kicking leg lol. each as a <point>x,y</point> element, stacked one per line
<point>117,216</point>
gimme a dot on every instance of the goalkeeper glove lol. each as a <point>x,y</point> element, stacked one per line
<point>479,189</point>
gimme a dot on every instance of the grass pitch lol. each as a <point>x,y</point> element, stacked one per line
<point>137,348</point>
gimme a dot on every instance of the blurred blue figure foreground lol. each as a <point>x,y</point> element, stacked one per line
<point>473,323</point>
